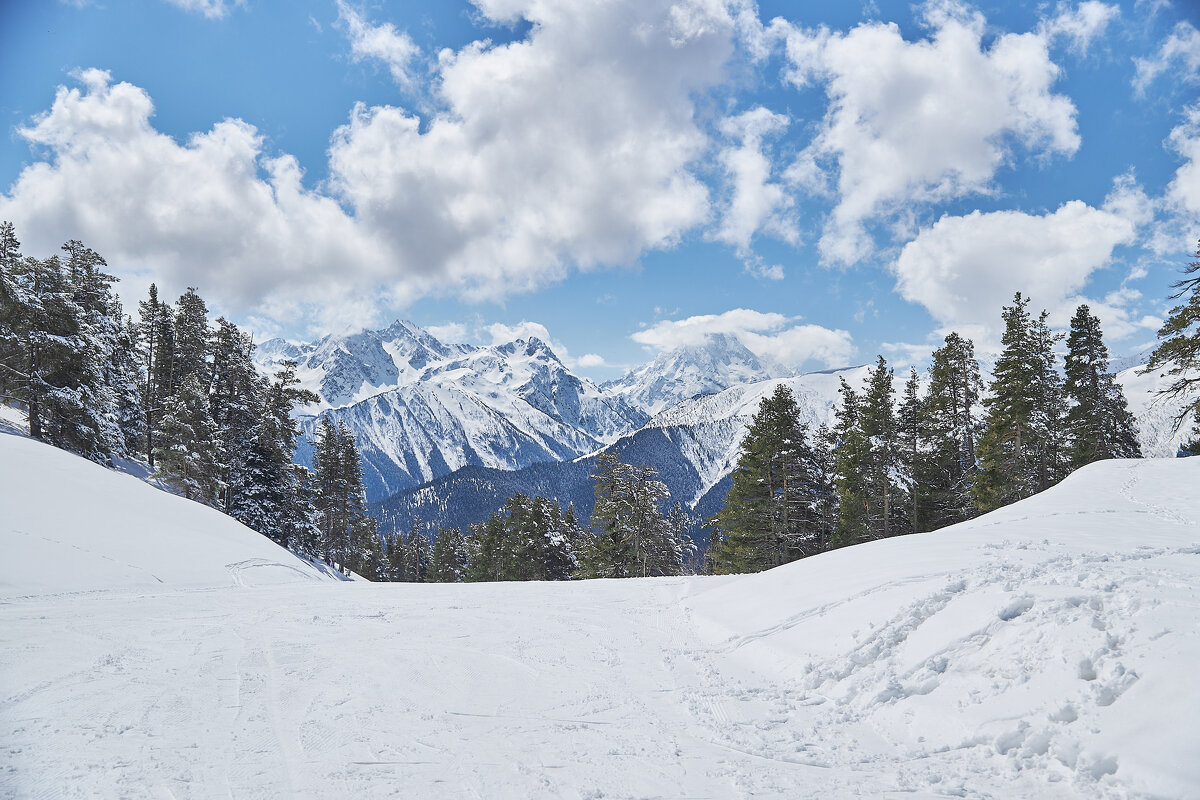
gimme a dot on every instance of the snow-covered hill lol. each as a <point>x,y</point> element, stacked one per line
<point>686,372</point>
<point>420,408</point>
<point>1043,651</point>
<point>69,525</point>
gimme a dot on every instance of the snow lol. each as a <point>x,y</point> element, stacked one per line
<point>1045,650</point>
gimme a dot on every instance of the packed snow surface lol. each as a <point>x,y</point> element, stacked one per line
<point>1046,650</point>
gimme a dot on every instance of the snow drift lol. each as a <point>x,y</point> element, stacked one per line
<point>68,525</point>
<point>1045,650</point>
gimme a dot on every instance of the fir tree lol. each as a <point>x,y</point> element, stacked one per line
<point>1099,423</point>
<point>448,563</point>
<point>1021,451</point>
<point>188,454</point>
<point>191,340</point>
<point>852,451</point>
<point>879,427</point>
<point>768,517</point>
<point>948,429</point>
<point>417,554</point>
<point>911,448</point>
<point>1178,350</point>
<point>629,535</point>
<point>157,352</point>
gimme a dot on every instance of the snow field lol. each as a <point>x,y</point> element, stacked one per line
<point>1045,650</point>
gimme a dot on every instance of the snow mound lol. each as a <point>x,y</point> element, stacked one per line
<point>69,525</point>
<point>1043,651</point>
<point>1050,641</point>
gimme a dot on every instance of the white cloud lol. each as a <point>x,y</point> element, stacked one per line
<point>214,212</point>
<point>503,334</point>
<point>756,202</point>
<point>1179,54</point>
<point>922,121</point>
<point>385,43</point>
<point>1183,193</point>
<point>211,9</point>
<point>572,148</point>
<point>1081,25</point>
<point>774,338</point>
<point>590,360</point>
<point>962,269</point>
<point>451,332</point>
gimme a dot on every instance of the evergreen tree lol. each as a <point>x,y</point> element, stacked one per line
<point>188,453</point>
<point>157,352</point>
<point>911,449</point>
<point>417,554</point>
<point>191,340</point>
<point>879,427</point>
<point>1099,423</point>
<point>348,538</point>
<point>851,481</point>
<point>948,429</point>
<point>448,563</point>
<point>629,536</point>
<point>1021,451</point>
<point>1178,350</point>
<point>769,514</point>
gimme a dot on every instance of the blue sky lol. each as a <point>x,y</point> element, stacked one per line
<point>827,181</point>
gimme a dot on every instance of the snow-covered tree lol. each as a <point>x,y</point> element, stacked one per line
<point>1178,350</point>
<point>188,451</point>
<point>1099,423</point>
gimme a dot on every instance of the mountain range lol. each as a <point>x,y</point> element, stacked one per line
<point>447,432</point>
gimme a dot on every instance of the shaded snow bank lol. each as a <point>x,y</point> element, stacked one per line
<point>68,525</point>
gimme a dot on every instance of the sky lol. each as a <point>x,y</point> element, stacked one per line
<point>828,181</point>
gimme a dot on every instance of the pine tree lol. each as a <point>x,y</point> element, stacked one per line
<point>769,514</point>
<point>449,560</point>
<point>188,454</point>
<point>629,536</point>
<point>879,426</point>
<point>157,352</point>
<point>1099,423</point>
<point>1178,350</point>
<point>948,426</point>
<point>852,453</point>
<point>191,339</point>
<point>1021,451</point>
<point>911,449</point>
<point>348,537</point>
<point>417,554</point>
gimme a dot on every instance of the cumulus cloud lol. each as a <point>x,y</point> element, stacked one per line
<point>962,268</point>
<point>922,121</point>
<point>1179,55</point>
<point>1183,193</point>
<point>590,360</point>
<point>756,202</point>
<point>572,148</point>
<point>384,43</point>
<point>774,338</point>
<point>213,212</point>
<point>1081,25</point>
<point>452,332</point>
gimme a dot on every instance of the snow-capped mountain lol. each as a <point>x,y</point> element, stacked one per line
<point>693,445</point>
<point>685,372</point>
<point>421,408</point>
<point>345,369</point>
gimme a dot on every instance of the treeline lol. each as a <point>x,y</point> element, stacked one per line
<point>178,392</point>
<point>891,466</point>
<point>634,531</point>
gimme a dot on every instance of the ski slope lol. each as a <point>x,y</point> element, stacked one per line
<point>1046,650</point>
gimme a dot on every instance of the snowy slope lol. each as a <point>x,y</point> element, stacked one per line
<point>71,526</point>
<point>1043,651</point>
<point>686,372</point>
<point>1046,649</point>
